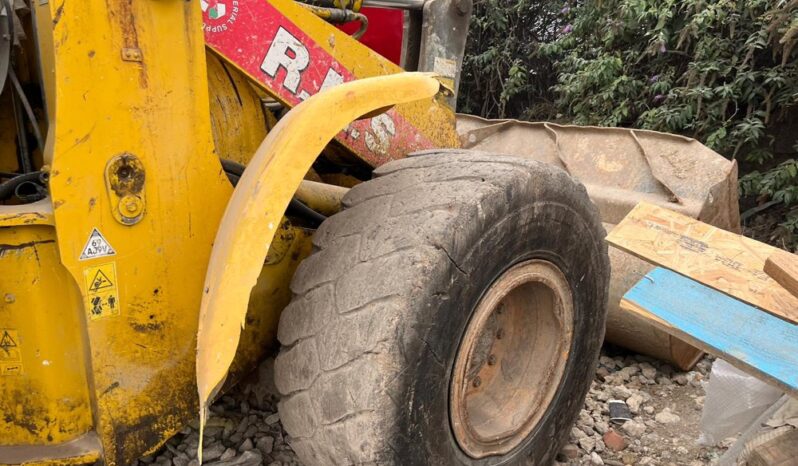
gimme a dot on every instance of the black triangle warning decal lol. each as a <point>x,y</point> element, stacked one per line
<point>7,342</point>
<point>96,246</point>
<point>100,281</point>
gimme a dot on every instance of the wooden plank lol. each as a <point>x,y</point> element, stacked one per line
<point>781,451</point>
<point>783,267</point>
<point>743,335</point>
<point>727,262</point>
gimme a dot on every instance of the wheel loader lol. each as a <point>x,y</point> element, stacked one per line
<point>188,186</point>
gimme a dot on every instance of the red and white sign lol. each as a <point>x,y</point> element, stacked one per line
<point>265,44</point>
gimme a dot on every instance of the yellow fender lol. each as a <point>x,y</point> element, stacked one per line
<point>260,201</point>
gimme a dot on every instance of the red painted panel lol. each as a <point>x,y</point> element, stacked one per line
<point>266,45</point>
<point>385,32</point>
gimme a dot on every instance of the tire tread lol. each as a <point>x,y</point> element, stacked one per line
<point>412,219</point>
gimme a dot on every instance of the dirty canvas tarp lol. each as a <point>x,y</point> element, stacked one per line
<point>621,167</point>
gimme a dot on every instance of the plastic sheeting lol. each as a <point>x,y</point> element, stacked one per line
<point>733,402</point>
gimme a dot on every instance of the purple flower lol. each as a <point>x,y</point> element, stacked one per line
<point>567,29</point>
<point>565,10</point>
<point>654,78</point>
<point>659,97</point>
<point>662,48</point>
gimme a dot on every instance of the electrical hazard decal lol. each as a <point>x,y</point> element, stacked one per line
<point>102,293</point>
<point>10,353</point>
<point>97,246</point>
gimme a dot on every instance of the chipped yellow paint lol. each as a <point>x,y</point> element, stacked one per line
<point>37,213</point>
<point>157,110</point>
<point>237,114</point>
<point>141,361</point>
<point>85,458</point>
<point>260,199</point>
<point>47,402</point>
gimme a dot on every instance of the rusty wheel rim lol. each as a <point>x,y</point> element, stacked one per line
<point>511,359</point>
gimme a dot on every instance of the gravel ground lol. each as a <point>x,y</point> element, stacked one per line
<point>666,409</point>
<point>244,428</point>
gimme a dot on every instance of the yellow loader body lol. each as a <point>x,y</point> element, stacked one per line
<point>147,238</point>
<point>102,281</point>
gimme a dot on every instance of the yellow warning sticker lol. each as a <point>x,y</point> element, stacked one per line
<point>10,352</point>
<point>102,294</point>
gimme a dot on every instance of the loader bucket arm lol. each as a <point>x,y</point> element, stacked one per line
<point>260,200</point>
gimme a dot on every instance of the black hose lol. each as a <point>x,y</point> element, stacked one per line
<point>28,109</point>
<point>8,188</point>
<point>302,210</point>
<point>235,170</point>
<point>29,191</point>
<point>230,166</point>
<point>21,92</point>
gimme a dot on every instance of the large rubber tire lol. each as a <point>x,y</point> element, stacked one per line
<point>370,338</point>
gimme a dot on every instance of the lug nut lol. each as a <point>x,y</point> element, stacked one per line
<point>492,360</point>
<point>477,382</point>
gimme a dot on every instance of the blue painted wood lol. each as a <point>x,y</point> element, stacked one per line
<point>727,327</point>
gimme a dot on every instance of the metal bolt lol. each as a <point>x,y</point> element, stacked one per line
<point>477,382</point>
<point>10,298</point>
<point>131,206</point>
<point>500,334</point>
<point>492,360</point>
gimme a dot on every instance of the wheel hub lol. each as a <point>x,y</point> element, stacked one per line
<point>511,359</point>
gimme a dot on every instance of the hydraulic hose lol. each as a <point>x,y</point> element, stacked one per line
<point>235,170</point>
<point>340,16</point>
<point>8,188</point>
<point>17,86</point>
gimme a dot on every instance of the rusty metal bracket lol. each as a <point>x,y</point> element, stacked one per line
<point>124,181</point>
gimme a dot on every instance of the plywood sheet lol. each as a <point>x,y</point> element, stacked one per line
<point>743,335</point>
<point>783,267</point>
<point>724,261</point>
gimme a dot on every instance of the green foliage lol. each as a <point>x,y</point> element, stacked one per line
<point>722,71</point>
<point>780,183</point>
<point>503,73</point>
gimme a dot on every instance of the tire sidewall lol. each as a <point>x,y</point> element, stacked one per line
<point>546,230</point>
